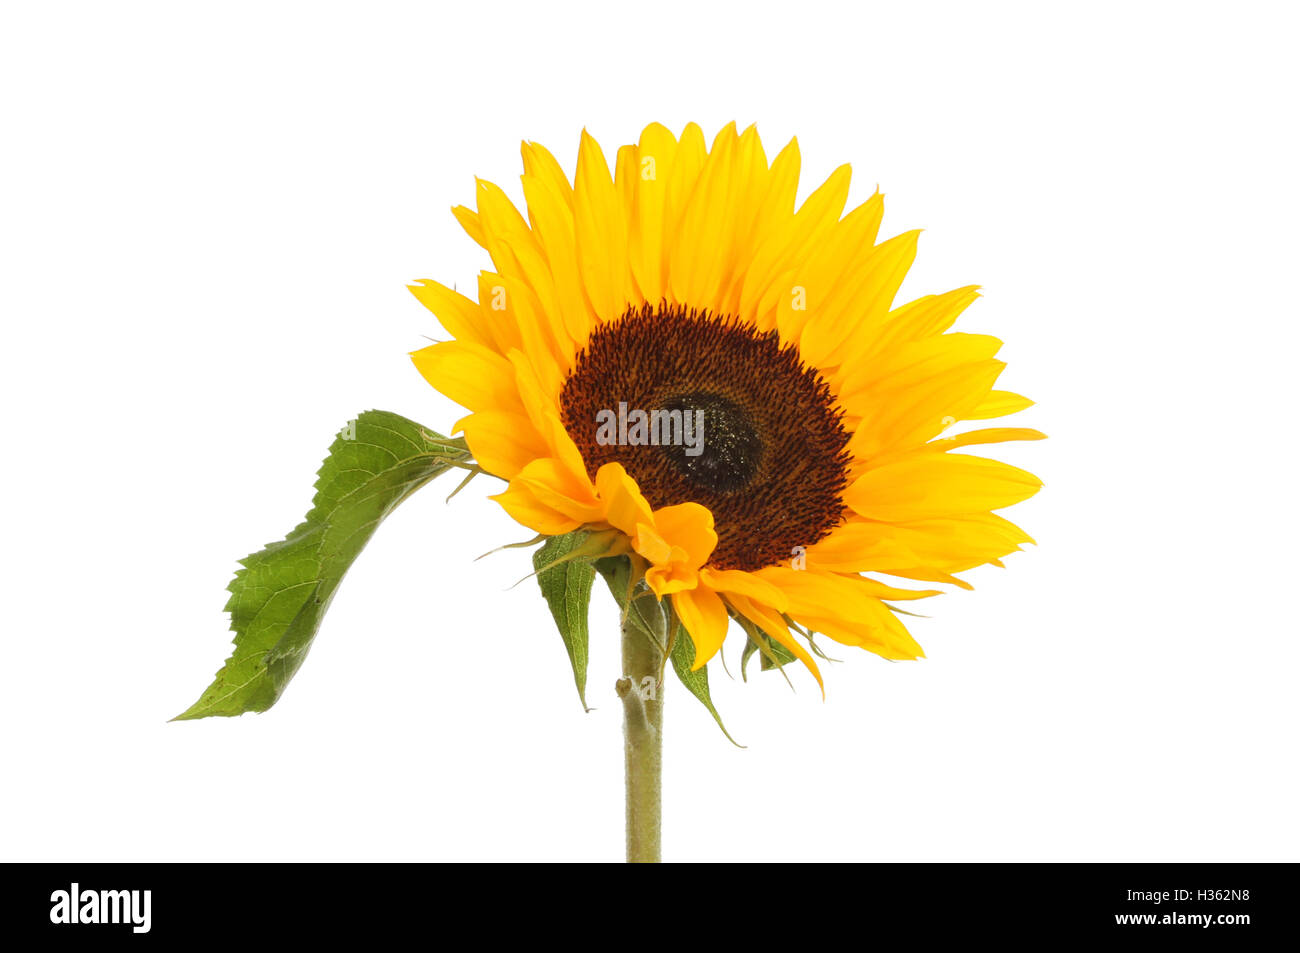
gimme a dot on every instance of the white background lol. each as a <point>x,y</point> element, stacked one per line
<point>209,216</point>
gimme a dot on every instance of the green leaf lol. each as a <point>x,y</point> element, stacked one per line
<point>278,599</point>
<point>566,586</point>
<point>697,683</point>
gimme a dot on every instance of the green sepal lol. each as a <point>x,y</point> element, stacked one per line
<point>565,581</point>
<point>278,598</point>
<point>810,635</point>
<point>636,603</point>
<point>780,657</point>
<point>640,607</point>
<point>697,682</point>
<point>773,655</point>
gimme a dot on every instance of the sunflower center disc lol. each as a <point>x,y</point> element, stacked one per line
<point>730,447</point>
<point>707,409</point>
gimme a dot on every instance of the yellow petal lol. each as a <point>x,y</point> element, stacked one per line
<point>503,443</point>
<point>899,416</point>
<point>938,485</point>
<point>911,362</point>
<point>771,622</point>
<point>917,320</point>
<point>688,160</point>
<point>751,183</point>
<point>844,609</point>
<point>649,263</point>
<point>523,507</point>
<point>771,215</point>
<point>550,208</point>
<point>625,176</point>
<point>738,582</point>
<point>543,167</point>
<point>883,591</point>
<point>625,507</point>
<point>851,296</point>
<point>651,545</point>
<point>600,233</point>
<point>541,403</point>
<point>925,574</point>
<point>552,485</point>
<point>698,259</point>
<point>858,546</point>
<point>675,576</point>
<point>783,184</point>
<point>497,309</point>
<point>500,221</point>
<point>690,526</point>
<point>949,544</point>
<point>999,403</point>
<point>989,435</point>
<point>789,244</point>
<point>473,376</point>
<point>536,301</point>
<point>469,221</point>
<point>538,342</point>
<point>457,313</point>
<point>704,615</point>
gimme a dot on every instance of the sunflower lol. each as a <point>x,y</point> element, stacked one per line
<point>676,354</point>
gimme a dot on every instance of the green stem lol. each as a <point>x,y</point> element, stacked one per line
<point>641,690</point>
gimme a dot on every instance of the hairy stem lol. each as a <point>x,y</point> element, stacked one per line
<point>641,691</point>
